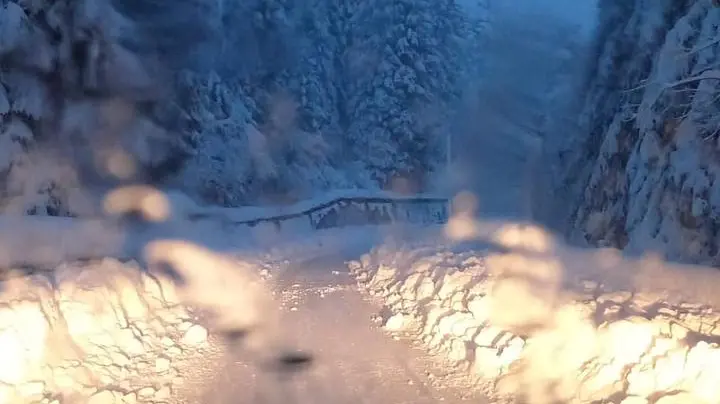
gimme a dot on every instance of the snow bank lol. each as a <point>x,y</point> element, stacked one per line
<point>540,322</point>
<point>102,332</point>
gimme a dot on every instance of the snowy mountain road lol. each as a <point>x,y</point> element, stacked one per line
<point>355,361</point>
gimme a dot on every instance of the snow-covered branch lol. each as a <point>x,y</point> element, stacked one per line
<point>706,75</point>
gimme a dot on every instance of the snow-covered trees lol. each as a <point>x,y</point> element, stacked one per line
<point>312,103</point>
<point>255,100</point>
<point>685,82</point>
<point>532,59</point>
<point>406,60</point>
<point>70,93</point>
<point>262,116</point>
<point>531,62</point>
<point>318,89</point>
<point>183,33</point>
<point>645,174</point>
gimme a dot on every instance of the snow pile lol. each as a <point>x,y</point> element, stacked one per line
<point>102,332</point>
<point>537,321</point>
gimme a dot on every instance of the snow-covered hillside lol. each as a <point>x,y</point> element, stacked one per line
<point>643,173</point>
<point>296,98</point>
<point>275,102</point>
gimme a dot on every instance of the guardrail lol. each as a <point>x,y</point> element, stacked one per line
<point>349,211</point>
<point>71,239</point>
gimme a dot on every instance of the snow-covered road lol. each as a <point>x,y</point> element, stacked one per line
<point>356,362</point>
<point>519,314</point>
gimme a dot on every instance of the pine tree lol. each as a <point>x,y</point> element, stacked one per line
<point>315,76</point>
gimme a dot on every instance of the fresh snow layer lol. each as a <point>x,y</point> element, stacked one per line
<point>538,321</point>
<point>55,240</point>
<point>529,317</point>
<point>106,331</point>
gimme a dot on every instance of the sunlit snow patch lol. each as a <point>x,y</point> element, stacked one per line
<point>104,332</point>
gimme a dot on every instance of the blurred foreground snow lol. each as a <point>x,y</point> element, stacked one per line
<point>524,314</point>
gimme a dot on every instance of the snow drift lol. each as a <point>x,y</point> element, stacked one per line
<point>106,331</point>
<point>536,320</point>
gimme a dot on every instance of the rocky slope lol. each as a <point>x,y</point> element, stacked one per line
<point>643,175</point>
